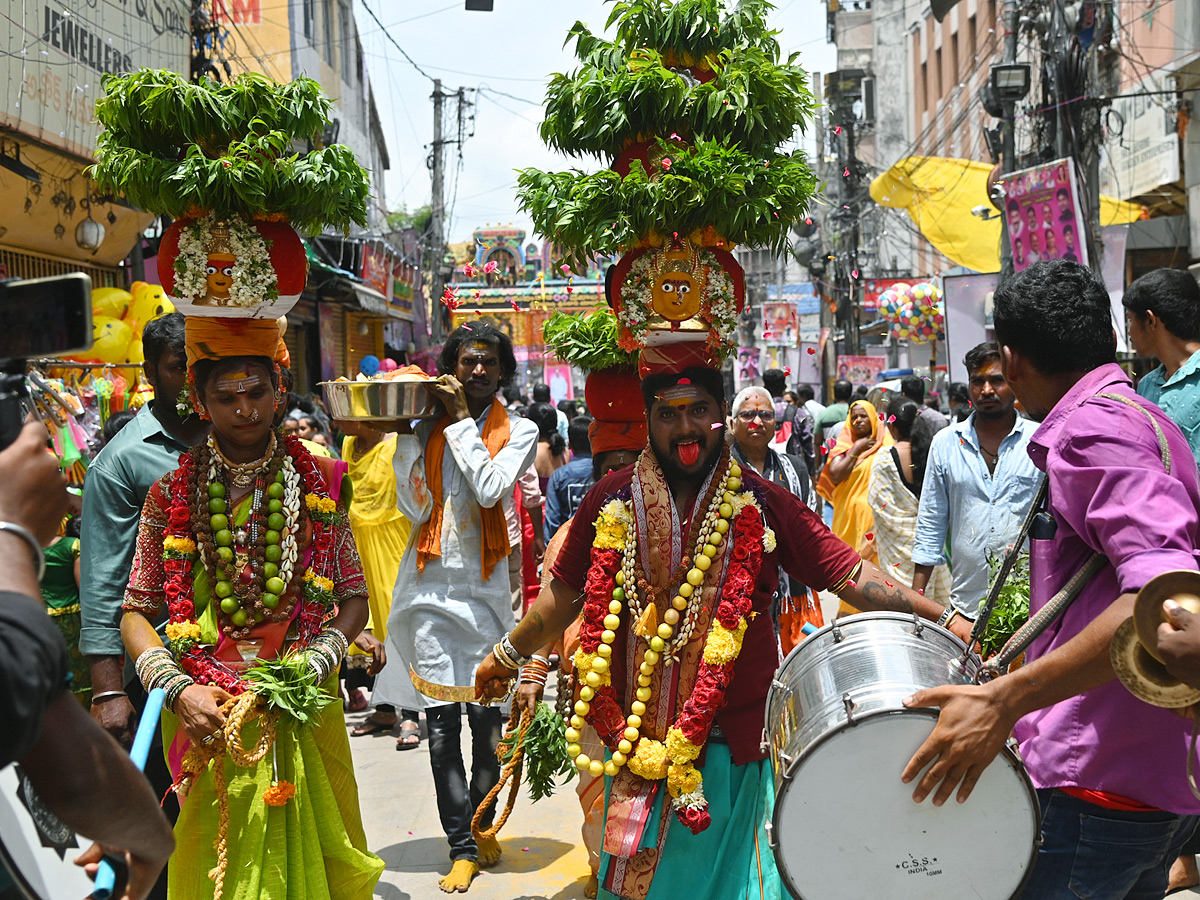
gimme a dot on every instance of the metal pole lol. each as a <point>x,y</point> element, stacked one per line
<point>437,222</point>
<point>852,333</point>
<point>1008,163</point>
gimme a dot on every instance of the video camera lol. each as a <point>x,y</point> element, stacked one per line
<point>38,317</point>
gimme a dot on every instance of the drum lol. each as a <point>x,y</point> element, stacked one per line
<point>37,849</point>
<point>844,825</point>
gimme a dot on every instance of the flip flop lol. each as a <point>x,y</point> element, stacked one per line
<point>370,726</point>
<point>410,735</point>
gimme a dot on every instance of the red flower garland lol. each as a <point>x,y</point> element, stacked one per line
<point>708,695</point>
<point>180,589</point>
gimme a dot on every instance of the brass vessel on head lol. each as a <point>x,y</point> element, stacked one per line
<point>1134,648</point>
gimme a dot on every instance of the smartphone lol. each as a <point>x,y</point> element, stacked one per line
<point>45,316</point>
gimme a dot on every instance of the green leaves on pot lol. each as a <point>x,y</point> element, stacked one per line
<point>747,198</point>
<point>589,342</point>
<point>173,147</point>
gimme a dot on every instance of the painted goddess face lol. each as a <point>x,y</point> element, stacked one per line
<point>219,275</point>
<point>676,296</point>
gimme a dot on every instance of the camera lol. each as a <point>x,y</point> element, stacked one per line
<point>38,317</point>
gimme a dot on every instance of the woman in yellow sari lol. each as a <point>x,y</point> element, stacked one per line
<point>381,532</point>
<point>847,473</point>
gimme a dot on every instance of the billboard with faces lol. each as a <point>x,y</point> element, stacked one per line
<point>1045,218</point>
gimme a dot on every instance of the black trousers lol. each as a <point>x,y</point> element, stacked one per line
<point>456,801</point>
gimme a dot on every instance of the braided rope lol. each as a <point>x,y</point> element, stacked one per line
<point>512,769</point>
<point>239,711</point>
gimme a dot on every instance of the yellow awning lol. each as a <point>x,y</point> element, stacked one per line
<point>939,194</point>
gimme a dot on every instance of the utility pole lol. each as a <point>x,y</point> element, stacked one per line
<point>852,332</point>
<point>1010,138</point>
<point>437,224</point>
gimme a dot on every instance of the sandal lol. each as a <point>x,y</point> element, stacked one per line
<point>357,701</point>
<point>372,726</point>
<point>410,735</point>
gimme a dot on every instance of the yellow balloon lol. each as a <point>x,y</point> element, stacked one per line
<point>110,340</point>
<point>110,301</point>
<point>149,302</point>
<point>134,353</point>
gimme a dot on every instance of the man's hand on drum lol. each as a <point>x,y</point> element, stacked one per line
<point>492,679</point>
<point>971,729</point>
<point>961,629</point>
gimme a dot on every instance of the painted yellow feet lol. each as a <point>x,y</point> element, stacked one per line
<point>592,888</point>
<point>462,873</point>
<point>489,852</point>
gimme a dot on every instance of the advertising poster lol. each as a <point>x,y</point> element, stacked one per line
<point>1045,218</point>
<point>862,370</point>
<point>748,365</point>
<point>781,324</point>
<point>558,376</point>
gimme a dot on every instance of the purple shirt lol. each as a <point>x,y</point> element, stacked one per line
<point>1109,492</point>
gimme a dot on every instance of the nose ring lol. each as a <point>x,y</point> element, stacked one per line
<point>254,415</point>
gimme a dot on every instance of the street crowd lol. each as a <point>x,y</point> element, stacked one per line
<point>667,563</point>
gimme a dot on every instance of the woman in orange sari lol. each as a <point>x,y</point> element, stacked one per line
<point>847,473</point>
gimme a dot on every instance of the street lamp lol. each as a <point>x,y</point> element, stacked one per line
<point>1010,81</point>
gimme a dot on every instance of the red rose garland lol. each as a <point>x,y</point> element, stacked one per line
<point>696,719</point>
<point>179,588</point>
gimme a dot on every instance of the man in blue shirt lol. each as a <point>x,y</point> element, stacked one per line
<point>979,482</point>
<point>568,484</point>
<point>1164,322</point>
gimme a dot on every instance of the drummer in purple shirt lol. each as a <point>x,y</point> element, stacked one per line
<point>1110,770</point>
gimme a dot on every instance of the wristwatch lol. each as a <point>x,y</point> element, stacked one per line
<point>947,616</point>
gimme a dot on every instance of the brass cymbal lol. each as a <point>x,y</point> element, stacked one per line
<point>1144,676</point>
<point>1181,585</point>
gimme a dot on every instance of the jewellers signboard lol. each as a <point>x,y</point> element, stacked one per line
<point>54,55</point>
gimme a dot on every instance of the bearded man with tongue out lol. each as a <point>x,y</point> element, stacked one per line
<point>674,561</point>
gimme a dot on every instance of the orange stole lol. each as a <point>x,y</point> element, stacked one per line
<point>495,546</point>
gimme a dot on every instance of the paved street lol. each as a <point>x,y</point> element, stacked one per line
<point>543,852</point>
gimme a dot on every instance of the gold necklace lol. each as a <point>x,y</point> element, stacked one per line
<point>243,474</point>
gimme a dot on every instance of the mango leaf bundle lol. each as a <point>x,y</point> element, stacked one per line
<point>545,752</point>
<point>289,686</point>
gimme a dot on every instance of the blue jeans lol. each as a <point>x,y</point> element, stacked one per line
<point>456,803</point>
<point>1092,853</point>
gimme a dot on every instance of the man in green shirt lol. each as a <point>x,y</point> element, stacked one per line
<point>1164,322</point>
<point>836,412</point>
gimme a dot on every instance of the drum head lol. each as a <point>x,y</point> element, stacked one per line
<point>846,828</point>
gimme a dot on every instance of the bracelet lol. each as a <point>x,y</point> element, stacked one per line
<point>157,668</point>
<point>508,656</point>
<point>947,616</point>
<point>535,671</point>
<point>35,546</point>
<point>107,695</point>
<point>326,651</point>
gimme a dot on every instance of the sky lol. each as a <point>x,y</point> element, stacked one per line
<point>510,51</point>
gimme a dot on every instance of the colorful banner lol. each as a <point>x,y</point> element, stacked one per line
<point>862,370</point>
<point>1044,214</point>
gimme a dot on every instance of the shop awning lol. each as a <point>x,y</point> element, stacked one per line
<point>370,300</point>
<point>939,194</point>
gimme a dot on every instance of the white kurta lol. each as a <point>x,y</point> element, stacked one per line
<point>446,620</point>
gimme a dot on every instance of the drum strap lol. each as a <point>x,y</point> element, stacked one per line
<point>1057,605</point>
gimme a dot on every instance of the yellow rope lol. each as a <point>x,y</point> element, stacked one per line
<point>512,769</point>
<point>239,711</point>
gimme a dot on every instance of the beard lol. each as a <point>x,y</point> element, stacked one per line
<point>676,473</point>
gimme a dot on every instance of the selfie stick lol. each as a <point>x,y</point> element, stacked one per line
<point>105,876</point>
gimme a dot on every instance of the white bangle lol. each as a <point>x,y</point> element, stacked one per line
<point>35,547</point>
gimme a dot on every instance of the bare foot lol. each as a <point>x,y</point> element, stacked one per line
<point>592,888</point>
<point>461,875</point>
<point>1184,874</point>
<point>489,852</point>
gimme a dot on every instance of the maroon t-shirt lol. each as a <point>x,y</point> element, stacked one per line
<point>805,548</point>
